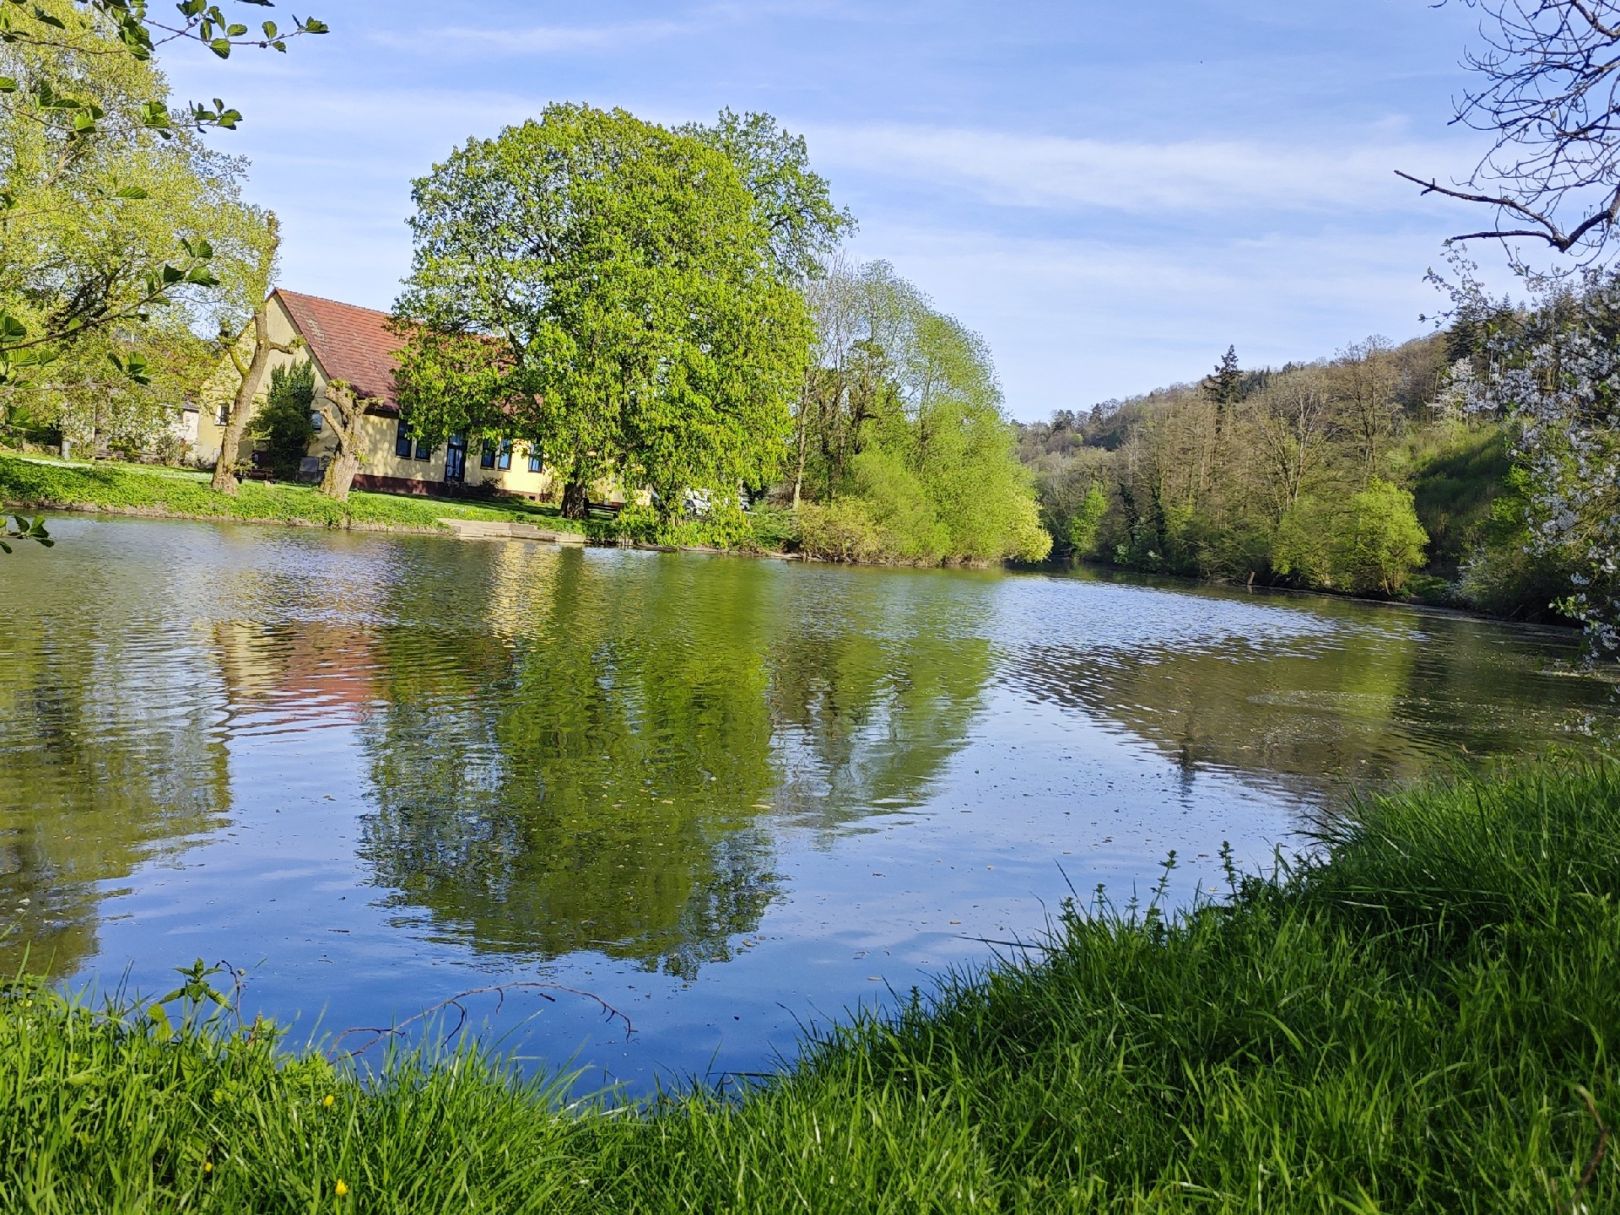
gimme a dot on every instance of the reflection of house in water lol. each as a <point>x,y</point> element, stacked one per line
<point>295,675</point>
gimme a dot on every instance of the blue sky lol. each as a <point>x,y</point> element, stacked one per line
<point>1110,192</point>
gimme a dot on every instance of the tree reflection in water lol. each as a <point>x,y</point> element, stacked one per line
<point>598,771</point>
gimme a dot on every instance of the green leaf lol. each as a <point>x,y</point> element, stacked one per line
<point>269,28</point>
<point>220,47</point>
<point>8,84</point>
<point>130,192</point>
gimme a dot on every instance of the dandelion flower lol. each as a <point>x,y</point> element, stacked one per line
<point>208,1166</point>
<point>342,1187</point>
<point>328,1100</point>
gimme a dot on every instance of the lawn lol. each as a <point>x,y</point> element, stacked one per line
<point>33,483</point>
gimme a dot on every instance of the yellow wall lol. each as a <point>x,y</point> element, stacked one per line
<point>221,386</point>
<point>377,458</point>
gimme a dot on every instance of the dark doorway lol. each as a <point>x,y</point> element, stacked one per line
<point>455,461</point>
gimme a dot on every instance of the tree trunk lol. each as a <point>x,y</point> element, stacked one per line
<point>343,414</point>
<point>575,504</point>
<point>225,479</point>
<point>251,373</point>
<point>798,473</point>
<point>339,475</point>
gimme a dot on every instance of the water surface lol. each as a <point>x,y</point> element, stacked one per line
<point>728,797</point>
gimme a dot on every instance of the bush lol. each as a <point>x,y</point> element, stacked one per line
<point>170,449</point>
<point>284,421</point>
<point>1371,543</point>
<point>775,529</point>
<point>840,530</point>
<point>1383,541</point>
<point>1081,529</point>
<point>896,501</point>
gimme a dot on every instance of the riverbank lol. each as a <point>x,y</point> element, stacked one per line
<point>31,484</point>
<point>1437,603</point>
<point>1425,1021</point>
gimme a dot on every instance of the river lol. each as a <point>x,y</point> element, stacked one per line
<point>727,797</point>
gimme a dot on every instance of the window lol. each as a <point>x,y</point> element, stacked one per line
<point>316,422</point>
<point>222,414</point>
<point>496,455</point>
<point>402,441</point>
<point>504,460</point>
<point>486,456</point>
<point>534,458</point>
<point>424,450</point>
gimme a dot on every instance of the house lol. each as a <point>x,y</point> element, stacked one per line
<point>355,345</point>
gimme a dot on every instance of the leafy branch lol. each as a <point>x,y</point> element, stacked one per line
<point>23,528</point>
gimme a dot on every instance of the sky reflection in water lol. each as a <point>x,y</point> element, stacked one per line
<point>726,796</point>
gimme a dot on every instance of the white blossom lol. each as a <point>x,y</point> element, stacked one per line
<point>1554,374</point>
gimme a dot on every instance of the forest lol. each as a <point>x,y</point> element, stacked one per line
<point>1374,471</point>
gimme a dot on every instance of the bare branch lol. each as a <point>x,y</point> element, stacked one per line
<point>457,1004</point>
<point>1549,93</point>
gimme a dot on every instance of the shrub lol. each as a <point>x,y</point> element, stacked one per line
<point>775,529</point>
<point>1083,527</point>
<point>1372,542</point>
<point>840,530</point>
<point>284,422</point>
<point>1383,541</point>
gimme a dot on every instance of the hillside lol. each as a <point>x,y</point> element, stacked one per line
<point>1366,472</point>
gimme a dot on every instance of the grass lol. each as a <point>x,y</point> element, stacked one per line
<point>35,484</point>
<point>1453,487</point>
<point>1425,1021</point>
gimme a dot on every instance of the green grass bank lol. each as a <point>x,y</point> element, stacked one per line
<point>35,484</point>
<point>28,483</point>
<point>1426,1021</point>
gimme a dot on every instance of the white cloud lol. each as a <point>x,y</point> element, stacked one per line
<point>1074,321</point>
<point>1052,171</point>
<point>533,39</point>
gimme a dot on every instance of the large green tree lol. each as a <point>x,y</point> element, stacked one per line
<point>111,210</point>
<point>794,201</point>
<point>901,435</point>
<point>608,289</point>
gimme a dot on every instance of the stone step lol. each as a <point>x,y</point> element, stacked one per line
<point>489,529</point>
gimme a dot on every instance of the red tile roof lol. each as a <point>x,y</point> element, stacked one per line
<point>349,343</point>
